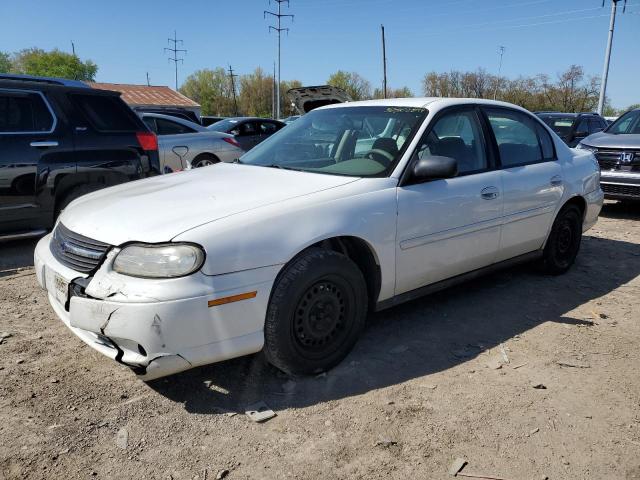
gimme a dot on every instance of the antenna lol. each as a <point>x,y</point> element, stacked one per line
<point>175,50</point>
<point>384,65</point>
<point>501,50</point>
<point>279,30</point>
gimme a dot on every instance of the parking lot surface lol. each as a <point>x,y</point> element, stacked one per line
<point>525,376</point>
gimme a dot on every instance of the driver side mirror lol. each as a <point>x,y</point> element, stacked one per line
<point>581,134</point>
<point>434,167</point>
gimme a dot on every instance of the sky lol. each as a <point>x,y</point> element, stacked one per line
<point>126,38</point>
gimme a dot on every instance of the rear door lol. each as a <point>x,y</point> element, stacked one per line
<point>451,226</point>
<point>105,129</point>
<point>33,142</point>
<point>175,140</point>
<point>531,179</point>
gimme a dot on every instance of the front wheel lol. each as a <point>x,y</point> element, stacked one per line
<point>564,240</point>
<point>316,313</point>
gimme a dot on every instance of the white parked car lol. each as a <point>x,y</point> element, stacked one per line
<point>352,208</point>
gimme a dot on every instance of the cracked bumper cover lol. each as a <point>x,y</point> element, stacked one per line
<point>161,327</point>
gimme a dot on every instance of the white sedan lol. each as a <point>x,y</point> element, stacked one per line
<point>352,208</point>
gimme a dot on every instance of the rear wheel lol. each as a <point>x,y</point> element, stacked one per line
<point>77,192</point>
<point>564,240</point>
<point>204,160</point>
<point>316,313</point>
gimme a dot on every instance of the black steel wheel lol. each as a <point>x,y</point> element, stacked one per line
<point>316,313</point>
<point>564,241</point>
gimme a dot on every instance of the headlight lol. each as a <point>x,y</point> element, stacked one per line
<point>582,146</point>
<point>168,260</point>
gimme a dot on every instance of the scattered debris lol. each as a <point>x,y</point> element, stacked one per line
<point>515,367</point>
<point>572,365</point>
<point>20,361</point>
<point>122,438</point>
<point>259,412</point>
<point>54,380</point>
<point>4,336</point>
<point>539,386</point>
<point>504,354</point>
<point>457,465</point>
<point>385,443</point>
<point>221,474</point>
<point>535,430</point>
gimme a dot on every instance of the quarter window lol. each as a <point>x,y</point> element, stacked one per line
<point>24,112</point>
<point>517,137</point>
<point>106,113</point>
<point>457,135</point>
<point>167,127</point>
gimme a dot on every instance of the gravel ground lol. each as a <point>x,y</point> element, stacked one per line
<point>451,375</point>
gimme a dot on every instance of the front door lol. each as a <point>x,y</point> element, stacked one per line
<point>531,178</point>
<point>29,141</point>
<point>451,226</point>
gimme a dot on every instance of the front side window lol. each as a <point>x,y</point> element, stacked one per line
<point>629,123</point>
<point>457,135</point>
<point>583,127</point>
<point>267,128</point>
<point>24,112</point>
<point>353,141</point>
<point>516,136</point>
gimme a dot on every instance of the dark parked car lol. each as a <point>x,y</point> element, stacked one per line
<point>618,152</point>
<point>248,131</point>
<point>207,120</point>
<point>59,140</point>
<point>573,127</point>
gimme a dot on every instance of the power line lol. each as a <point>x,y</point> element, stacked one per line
<point>233,89</point>
<point>278,29</point>
<point>175,50</point>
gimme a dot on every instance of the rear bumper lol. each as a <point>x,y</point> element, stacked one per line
<point>620,185</point>
<point>159,334</point>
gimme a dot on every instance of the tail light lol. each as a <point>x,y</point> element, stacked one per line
<point>232,141</point>
<point>147,140</point>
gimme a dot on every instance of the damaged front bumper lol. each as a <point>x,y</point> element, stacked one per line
<point>158,327</point>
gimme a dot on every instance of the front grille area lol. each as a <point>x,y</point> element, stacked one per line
<point>626,190</point>
<point>76,251</point>
<point>613,159</point>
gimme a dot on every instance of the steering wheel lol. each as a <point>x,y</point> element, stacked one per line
<point>387,158</point>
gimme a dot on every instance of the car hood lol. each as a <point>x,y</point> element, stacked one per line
<point>160,208</point>
<point>608,140</point>
<point>305,99</point>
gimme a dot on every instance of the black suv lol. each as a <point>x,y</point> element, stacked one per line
<point>61,139</point>
<point>573,127</point>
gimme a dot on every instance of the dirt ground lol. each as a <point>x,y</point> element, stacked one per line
<point>447,376</point>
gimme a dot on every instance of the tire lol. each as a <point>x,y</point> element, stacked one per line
<point>317,311</point>
<point>77,192</point>
<point>204,160</point>
<point>564,240</point>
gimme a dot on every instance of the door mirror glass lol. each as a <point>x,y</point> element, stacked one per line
<point>432,167</point>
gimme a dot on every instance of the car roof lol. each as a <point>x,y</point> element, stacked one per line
<point>435,103</point>
<point>243,119</point>
<point>43,80</point>
<point>27,84</point>
<point>182,121</point>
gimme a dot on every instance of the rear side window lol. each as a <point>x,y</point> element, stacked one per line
<point>106,113</point>
<point>546,143</point>
<point>517,137</point>
<point>24,112</point>
<point>268,128</point>
<point>167,127</point>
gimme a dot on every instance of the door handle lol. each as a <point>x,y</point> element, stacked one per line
<point>556,181</point>
<point>489,193</point>
<point>44,144</point>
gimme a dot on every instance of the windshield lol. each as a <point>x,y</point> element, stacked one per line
<point>223,125</point>
<point>353,141</point>
<point>560,125</point>
<point>629,123</point>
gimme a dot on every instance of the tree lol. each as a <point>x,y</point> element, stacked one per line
<point>286,109</point>
<point>256,90</point>
<point>403,92</point>
<point>356,86</point>
<point>35,61</point>
<point>212,90</point>
<point>5,62</point>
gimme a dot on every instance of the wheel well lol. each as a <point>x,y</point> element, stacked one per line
<point>578,202</point>
<point>362,255</point>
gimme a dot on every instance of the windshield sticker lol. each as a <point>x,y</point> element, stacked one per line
<point>404,110</point>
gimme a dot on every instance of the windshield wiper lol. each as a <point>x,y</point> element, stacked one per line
<point>275,165</point>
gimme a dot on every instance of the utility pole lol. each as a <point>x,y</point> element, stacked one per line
<point>384,65</point>
<point>501,50</point>
<point>175,51</point>
<point>278,29</point>
<point>607,55</point>
<point>73,48</point>
<point>233,89</point>
<point>273,92</point>
<point>148,81</point>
